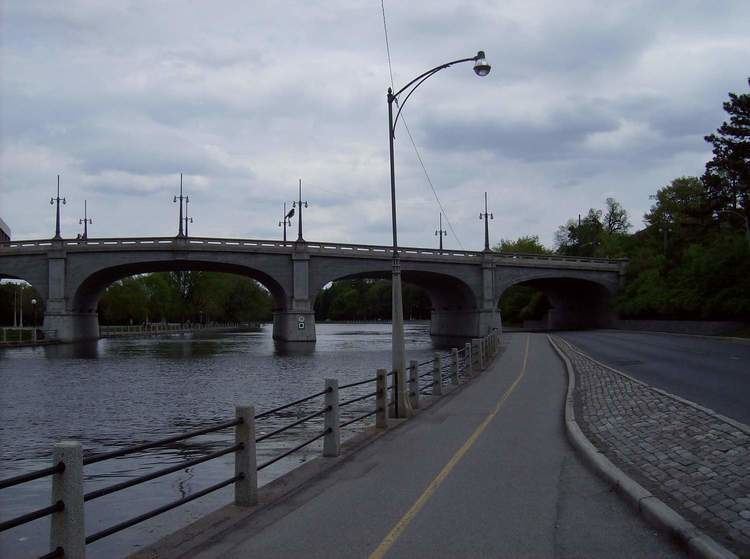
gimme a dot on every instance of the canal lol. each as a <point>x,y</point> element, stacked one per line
<point>122,391</point>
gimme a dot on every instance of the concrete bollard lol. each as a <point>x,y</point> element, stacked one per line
<point>245,489</point>
<point>414,384</point>
<point>67,527</point>
<point>437,376</point>
<point>332,440</point>
<point>381,399</point>
<point>454,369</point>
<point>467,359</point>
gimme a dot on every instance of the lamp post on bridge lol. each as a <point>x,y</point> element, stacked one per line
<point>299,203</point>
<point>486,216</point>
<point>85,221</point>
<point>57,215</point>
<point>286,219</point>
<point>441,232</point>
<point>180,198</point>
<point>187,219</point>
<point>481,68</point>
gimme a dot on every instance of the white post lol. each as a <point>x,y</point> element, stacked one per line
<point>67,528</point>
<point>414,384</point>
<point>437,376</point>
<point>332,440</point>
<point>454,375</point>
<point>246,488</point>
<point>381,399</point>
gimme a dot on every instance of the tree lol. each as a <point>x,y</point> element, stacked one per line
<point>581,238</point>
<point>727,176</point>
<point>529,244</point>
<point>616,218</point>
<point>681,214</point>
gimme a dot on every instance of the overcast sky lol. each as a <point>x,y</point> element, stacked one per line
<point>585,100</point>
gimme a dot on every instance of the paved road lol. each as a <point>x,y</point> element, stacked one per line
<point>712,372</point>
<point>513,488</point>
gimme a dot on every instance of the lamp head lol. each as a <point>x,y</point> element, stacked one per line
<point>481,68</point>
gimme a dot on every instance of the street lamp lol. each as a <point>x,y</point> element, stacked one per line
<point>286,219</point>
<point>85,222</point>
<point>57,217</point>
<point>486,216</point>
<point>33,305</point>
<point>481,68</point>
<point>180,198</point>
<point>441,232</point>
<point>299,205</point>
<point>187,219</point>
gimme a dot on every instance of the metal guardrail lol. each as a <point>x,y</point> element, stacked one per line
<point>67,536</point>
<point>159,328</point>
<point>11,335</point>
<point>340,249</point>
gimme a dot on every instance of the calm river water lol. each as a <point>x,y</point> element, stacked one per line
<point>119,392</point>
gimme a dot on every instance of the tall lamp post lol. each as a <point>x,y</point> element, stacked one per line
<point>286,219</point>
<point>481,68</point>
<point>85,221</point>
<point>299,203</point>
<point>180,198</point>
<point>57,216</point>
<point>187,219</point>
<point>486,216</point>
<point>441,232</point>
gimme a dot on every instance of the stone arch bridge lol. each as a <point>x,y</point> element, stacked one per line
<point>464,286</point>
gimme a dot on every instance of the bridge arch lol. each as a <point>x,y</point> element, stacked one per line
<point>578,300</point>
<point>88,292</point>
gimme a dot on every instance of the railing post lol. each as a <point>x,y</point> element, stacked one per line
<point>246,488</point>
<point>67,528</point>
<point>454,375</point>
<point>332,440</point>
<point>467,359</point>
<point>414,384</point>
<point>480,360</point>
<point>437,376</point>
<point>381,399</point>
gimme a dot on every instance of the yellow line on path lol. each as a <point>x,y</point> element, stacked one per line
<point>402,524</point>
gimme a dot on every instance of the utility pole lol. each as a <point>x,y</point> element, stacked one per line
<point>180,198</point>
<point>15,307</point>
<point>486,216</point>
<point>286,220</point>
<point>85,221</point>
<point>187,219</point>
<point>299,204</point>
<point>441,232</point>
<point>57,217</point>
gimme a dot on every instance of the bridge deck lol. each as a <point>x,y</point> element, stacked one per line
<point>518,489</point>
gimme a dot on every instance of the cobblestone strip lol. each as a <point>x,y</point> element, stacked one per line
<point>697,462</point>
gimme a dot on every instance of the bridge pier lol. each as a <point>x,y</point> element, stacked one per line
<point>449,328</point>
<point>294,326</point>
<point>73,327</point>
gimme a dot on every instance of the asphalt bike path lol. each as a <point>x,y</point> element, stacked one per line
<point>486,472</point>
<point>714,373</point>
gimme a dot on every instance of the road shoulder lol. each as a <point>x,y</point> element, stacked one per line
<point>686,455</point>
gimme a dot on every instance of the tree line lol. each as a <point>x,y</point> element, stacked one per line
<point>692,259</point>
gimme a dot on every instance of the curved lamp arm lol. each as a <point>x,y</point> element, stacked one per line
<point>421,78</point>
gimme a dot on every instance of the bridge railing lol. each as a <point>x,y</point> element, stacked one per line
<point>274,245</point>
<point>156,328</point>
<point>67,534</point>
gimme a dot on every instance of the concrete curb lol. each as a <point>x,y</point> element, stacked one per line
<point>653,509</point>
<point>733,339</point>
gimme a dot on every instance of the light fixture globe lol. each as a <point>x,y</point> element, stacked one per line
<point>481,68</point>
